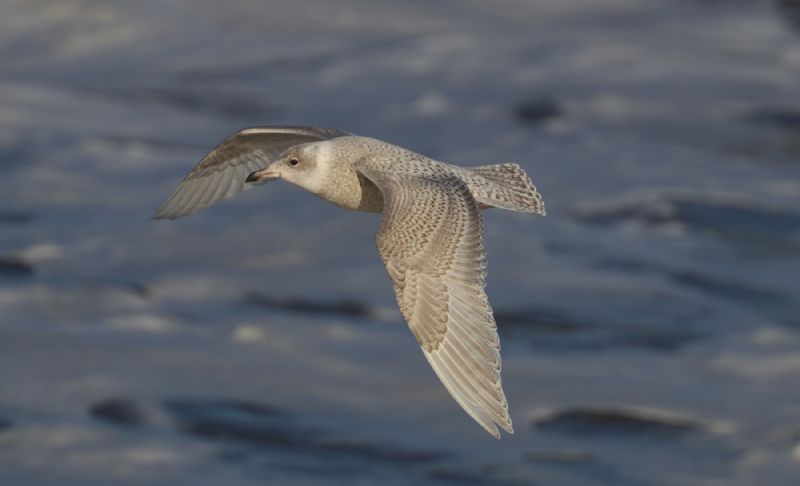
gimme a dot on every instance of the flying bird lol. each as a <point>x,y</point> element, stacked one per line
<point>430,236</point>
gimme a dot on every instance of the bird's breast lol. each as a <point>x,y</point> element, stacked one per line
<point>354,192</point>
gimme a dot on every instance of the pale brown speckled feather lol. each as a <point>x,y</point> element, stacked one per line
<point>431,242</point>
<point>221,173</point>
<point>430,237</point>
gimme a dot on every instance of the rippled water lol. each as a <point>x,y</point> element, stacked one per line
<point>649,323</point>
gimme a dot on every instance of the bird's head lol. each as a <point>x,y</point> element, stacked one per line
<point>305,165</point>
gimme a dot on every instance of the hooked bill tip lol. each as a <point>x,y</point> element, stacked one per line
<point>262,175</point>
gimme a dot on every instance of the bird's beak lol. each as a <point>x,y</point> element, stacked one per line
<point>262,175</point>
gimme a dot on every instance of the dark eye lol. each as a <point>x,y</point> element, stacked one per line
<point>294,161</point>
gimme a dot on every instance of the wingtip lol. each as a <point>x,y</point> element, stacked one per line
<point>505,424</point>
<point>161,214</point>
<point>494,431</point>
<point>167,212</point>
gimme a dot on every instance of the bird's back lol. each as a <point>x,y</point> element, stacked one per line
<point>505,186</point>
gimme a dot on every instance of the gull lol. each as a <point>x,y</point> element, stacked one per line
<point>430,236</point>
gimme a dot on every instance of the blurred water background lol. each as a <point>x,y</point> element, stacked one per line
<point>649,323</point>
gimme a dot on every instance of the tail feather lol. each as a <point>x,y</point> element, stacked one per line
<point>504,186</point>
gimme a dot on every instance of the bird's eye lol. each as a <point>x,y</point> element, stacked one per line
<point>294,161</point>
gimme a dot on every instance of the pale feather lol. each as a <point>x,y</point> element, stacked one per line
<point>431,241</point>
<point>222,173</point>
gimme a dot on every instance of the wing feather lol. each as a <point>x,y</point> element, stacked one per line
<point>221,173</point>
<point>431,242</point>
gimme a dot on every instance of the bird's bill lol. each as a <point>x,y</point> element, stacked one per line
<point>262,175</point>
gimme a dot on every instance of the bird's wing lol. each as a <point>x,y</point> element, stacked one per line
<point>222,172</point>
<point>431,242</point>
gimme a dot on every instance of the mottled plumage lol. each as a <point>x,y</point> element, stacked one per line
<point>430,236</point>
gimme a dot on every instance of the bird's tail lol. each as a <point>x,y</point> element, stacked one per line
<point>504,186</point>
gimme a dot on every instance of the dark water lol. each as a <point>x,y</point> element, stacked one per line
<point>650,322</point>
